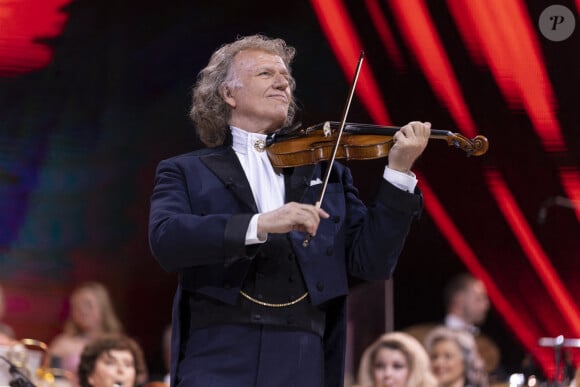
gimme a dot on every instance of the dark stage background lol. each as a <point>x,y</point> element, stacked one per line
<point>93,94</point>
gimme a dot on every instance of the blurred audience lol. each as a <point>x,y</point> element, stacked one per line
<point>166,345</point>
<point>112,361</point>
<point>91,315</point>
<point>576,380</point>
<point>395,359</point>
<point>466,307</point>
<point>7,335</point>
<point>455,360</point>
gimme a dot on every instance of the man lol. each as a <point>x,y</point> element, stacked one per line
<point>255,305</point>
<point>466,303</point>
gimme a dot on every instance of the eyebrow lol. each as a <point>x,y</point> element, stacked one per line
<point>269,66</point>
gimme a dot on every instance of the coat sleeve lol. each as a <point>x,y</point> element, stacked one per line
<point>181,235</point>
<point>375,235</point>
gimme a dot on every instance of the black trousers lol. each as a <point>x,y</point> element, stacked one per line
<point>250,355</point>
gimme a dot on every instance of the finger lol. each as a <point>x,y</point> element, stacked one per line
<point>405,131</point>
<point>400,140</point>
<point>318,212</point>
<point>419,129</point>
<point>424,129</point>
<point>323,214</point>
<point>312,220</point>
<point>303,218</point>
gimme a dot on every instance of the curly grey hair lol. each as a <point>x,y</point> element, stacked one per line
<point>209,112</point>
<point>475,374</point>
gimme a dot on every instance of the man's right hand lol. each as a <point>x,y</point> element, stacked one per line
<point>291,217</point>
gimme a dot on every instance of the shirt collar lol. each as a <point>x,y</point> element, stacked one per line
<point>244,142</point>
<point>458,323</point>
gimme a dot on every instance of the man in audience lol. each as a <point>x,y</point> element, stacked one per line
<point>466,303</point>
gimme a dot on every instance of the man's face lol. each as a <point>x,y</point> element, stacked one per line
<point>258,91</point>
<point>476,303</point>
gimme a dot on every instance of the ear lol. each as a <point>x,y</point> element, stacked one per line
<point>226,94</point>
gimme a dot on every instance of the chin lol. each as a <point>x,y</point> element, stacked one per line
<point>277,124</point>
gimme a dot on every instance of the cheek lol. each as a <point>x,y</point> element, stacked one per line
<point>403,374</point>
<point>100,374</point>
<point>132,373</point>
<point>455,368</point>
<point>378,375</point>
<point>459,366</point>
<point>94,379</point>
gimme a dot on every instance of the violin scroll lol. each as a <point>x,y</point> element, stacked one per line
<point>477,146</point>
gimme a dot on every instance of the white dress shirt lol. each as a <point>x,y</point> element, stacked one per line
<point>455,322</point>
<point>267,182</point>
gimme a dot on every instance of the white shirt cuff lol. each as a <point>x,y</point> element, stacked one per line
<point>403,181</point>
<point>252,236</point>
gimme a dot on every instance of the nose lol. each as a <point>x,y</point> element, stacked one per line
<point>121,370</point>
<point>281,82</point>
<point>388,372</point>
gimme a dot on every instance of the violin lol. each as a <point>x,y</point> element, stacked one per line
<point>358,142</point>
<point>333,140</point>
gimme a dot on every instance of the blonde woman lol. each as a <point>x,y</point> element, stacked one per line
<point>91,315</point>
<point>395,359</point>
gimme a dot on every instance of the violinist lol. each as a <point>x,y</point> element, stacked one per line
<point>256,305</point>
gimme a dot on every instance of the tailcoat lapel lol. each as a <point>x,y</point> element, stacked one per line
<point>296,181</point>
<point>226,166</point>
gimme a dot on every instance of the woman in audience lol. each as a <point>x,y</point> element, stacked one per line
<point>91,315</point>
<point>576,380</point>
<point>7,336</point>
<point>112,361</point>
<point>454,358</point>
<point>396,359</point>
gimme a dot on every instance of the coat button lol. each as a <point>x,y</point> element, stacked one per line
<point>336,218</point>
<point>291,257</point>
<point>320,286</point>
<point>257,317</point>
<point>329,251</point>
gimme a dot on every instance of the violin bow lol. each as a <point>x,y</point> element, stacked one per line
<point>338,138</point>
